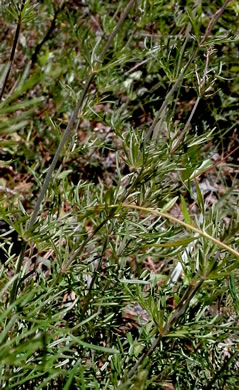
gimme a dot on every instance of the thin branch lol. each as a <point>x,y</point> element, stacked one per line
<point>78,251</point>
<point>48,34</point>
<point>168,96</point>
<point>178,312</point>
<point>18,268</point>
<point>219,373</point>
<point>136,66</point>
<point>202,87</point>
<point>13,51</point>
<point>116,29</point>
<point>184,224</point>
<point>73,118</point>
<point>213,21</point>
<point>221,160</point>
<point>65,137</point>
<point>164,113</point>
<point>185,68</point>
<point>93,280</point>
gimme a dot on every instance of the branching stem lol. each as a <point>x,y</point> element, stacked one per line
<point>71,123</point>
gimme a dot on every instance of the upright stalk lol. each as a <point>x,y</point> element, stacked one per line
<point>13,51</point>
<point>184,303</point>
<point>202,88</point>
<point>168,96</point>
<point>179,311</point>
<point>67,132</point>
<point>48,34</point>
<point>153,128</point>
<point>74,115</point>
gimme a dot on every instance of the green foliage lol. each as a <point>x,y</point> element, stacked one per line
<point>128,276</point>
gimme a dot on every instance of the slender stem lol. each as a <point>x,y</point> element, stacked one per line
<point>219,373</point>
<point>184,224</point>
<point>178,81</point>
<point>213,21</point>
<point>168,96</point>
<point>45,38</point>
<point>93,280</point>
<point>116,29</point>
<point>65,136</point>
<point>186,127</point>
<point>221,160</point>
<point>147,353</point>
<point>179,311</point>
<point>48,33</point>
<point>72,122</point>
<point>18,268</point>
<point>202,88</point>
<point>73,118</point>
<point>187,34</point>
<point>81,248</point>
<point>13,51</point>
<point>164,112</point>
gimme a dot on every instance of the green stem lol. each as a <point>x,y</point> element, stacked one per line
<point>93,280</point>
<point>65,137</point>
<point>212,23</point>
<point>18,268</point>
<point>168,96</point>
<point>74,116</point>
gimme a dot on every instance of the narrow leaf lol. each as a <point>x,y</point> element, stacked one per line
<point>169,205</point>
<point>199,197</point>
<point>184,242</point>
<point>185,211</point>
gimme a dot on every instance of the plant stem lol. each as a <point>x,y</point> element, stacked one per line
<point>93,280</point>
<point>184,224</point>
<point>168,96</point>
<point>219,373</point>
<point>178,81</point>
<point>116,29</point>
<point>80,249</point>
<point>220,161</point>
<point>179,311</point>
<point>64,138</point>
<point>18,268</point>
<point>202,88</point>
<point>13,51</point>
<point>47,36</point>
<point>74,116</point>
<point>213,21</point>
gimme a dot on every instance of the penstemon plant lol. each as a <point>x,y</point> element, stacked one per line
<point>126,276</point>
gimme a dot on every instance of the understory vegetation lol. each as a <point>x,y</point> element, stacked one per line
<point>119,262</point>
